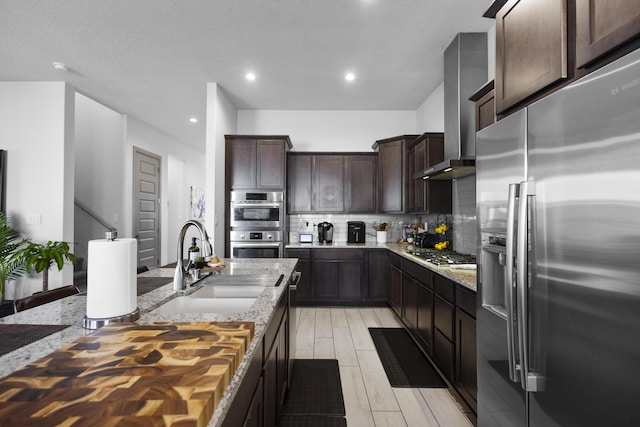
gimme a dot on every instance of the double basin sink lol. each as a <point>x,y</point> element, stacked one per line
<point>222,294</point>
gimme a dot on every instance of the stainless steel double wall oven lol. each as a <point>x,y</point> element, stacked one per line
<point>256,224</point>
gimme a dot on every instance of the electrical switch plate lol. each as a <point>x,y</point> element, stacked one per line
<point>34,219</point>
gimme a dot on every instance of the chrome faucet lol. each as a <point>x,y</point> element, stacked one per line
<point>179,276</point>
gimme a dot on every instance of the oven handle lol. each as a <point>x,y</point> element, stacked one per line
<point>255,244</point>
<point>255,205</point>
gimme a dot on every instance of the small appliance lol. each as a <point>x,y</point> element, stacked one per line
<point>355,232</point>
<point>325,232</point>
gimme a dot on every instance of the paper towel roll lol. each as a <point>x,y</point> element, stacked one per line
<point>111,278</point>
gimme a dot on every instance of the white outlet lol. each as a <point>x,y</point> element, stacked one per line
<point>34,219</point>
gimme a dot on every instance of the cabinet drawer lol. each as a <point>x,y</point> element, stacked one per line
<point>421,274</point>
<point>443,316</point>
<point>339,254</point>
<point>396,261</point>
<point>444,287</point>
<point>466,300</point>
<point>298,253</point>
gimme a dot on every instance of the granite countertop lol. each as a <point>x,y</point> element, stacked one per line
<point>463,277</point>
<point>71,311</point>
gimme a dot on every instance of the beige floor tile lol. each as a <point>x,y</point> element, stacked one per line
<point>388,419</point>
<point>323,348</point>
<point>360,334</point>
<point>379,391</point>
<point>414,408</point>
<point>307,312</point>
<point>444,408</point>
<point>339,318</point>
<point>343,344</point>
<point>323,323</point>
<point>305,338</point>
<point>387,318</point>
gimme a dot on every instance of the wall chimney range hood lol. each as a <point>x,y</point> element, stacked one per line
<point>465,70</point>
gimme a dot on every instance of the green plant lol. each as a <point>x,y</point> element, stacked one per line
<point>42,257</point>
<point>12,266</point>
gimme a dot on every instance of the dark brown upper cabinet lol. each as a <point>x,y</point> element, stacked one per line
<point>320,183</point>
<point>329,184</point>
<point>360,183</point>
<point>427,196</point>
<point>603,26</point>
<point>393,173</point>
<point>256,162</point>
<point>531,49</point>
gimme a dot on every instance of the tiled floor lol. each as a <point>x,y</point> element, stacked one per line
<point>342,334</point>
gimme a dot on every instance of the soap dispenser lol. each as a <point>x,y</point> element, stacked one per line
<point>194,251</point>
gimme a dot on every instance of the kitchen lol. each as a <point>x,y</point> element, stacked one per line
<point>455,228</point>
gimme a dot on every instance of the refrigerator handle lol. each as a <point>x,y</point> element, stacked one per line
<point>510,285</point>
<point>530,381</point>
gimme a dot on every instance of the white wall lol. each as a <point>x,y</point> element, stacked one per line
<point>222,119</point>
<point>328,130</point>
<point>430,115</point>
<point>99,170</point>
<point>37,131</point>
<point>174,179</point>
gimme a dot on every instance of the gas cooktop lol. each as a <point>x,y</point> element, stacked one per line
<point>443,258</point>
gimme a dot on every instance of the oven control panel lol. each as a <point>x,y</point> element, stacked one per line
<point>255,236</point>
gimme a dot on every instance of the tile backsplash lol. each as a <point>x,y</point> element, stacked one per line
<point>462,222</point>
<point>306,223</point>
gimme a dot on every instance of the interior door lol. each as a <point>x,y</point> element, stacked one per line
<point>146,206</point>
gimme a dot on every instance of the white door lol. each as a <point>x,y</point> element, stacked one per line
<point>146,206</point>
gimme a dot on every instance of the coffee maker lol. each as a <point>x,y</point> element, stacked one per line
<point>325,232</point>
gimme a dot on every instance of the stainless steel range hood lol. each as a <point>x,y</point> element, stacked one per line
<point>465,70</point>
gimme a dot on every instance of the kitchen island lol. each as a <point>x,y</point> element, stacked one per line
<point>71,310</point>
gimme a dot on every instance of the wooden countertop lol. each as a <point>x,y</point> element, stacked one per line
<point>136,374</point>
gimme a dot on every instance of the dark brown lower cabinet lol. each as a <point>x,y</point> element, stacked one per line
<point>395,289</point>
<point>275,377</point>
<point>443,351</point>
<point>425,317</point>
<point>466,377</point>
<point>255,415</point>
<point>410,306</point>
<point>378,283</point>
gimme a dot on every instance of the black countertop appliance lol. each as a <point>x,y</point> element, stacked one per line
<point>325,232</point>
<point>355,232</point>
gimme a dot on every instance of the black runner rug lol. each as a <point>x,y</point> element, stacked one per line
<point>403,362</point>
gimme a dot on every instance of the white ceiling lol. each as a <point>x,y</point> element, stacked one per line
<point>153,58</point>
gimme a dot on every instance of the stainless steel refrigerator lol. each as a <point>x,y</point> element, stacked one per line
<point>558,205</point>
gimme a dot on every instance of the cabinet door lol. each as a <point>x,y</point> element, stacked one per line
<point>241,160</point>
<point>425,317</point>
<point>395,291</point>
<point>443,350</point>
<point>326,280</point>
<point>255,414</point>
<point>466,380</point>
<point>603,26</point>
<point>418,187</point>
<point>410,302</point>
<point>350,286</point>
<point>270,158</point>
<point>379,276</point>
<point>270,387</point>
<point>329,184</point>
<point>360,183</point>
<point>299,196</point>
<point>531,49</point>
<point>391,185</point>
<point>304,291</point>
<point>438,192</point>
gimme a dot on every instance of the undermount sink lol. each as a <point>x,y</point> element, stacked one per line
<point>222,294</point>
<point>189,304</point>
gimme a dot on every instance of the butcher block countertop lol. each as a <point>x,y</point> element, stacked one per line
<point>71,311</point>
<point>129,374</point>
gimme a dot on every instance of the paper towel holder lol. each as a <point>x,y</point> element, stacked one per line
<point>93,323</point>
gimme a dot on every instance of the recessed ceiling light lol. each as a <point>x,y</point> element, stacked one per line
<point>60,66</point>
<point>193,120</point>
<point>250,76</point>
<point>350,77</point>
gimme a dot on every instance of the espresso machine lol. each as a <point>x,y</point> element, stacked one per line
<point>325,232</point>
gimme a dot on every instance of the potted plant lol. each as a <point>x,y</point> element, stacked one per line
<point>12,265</point>
<point>42,257</point>
<point>199,263</point>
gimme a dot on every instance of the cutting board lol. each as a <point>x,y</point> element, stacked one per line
<point>158,374</point>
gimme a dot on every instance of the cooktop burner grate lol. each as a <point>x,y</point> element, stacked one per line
<point>443,258</point>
